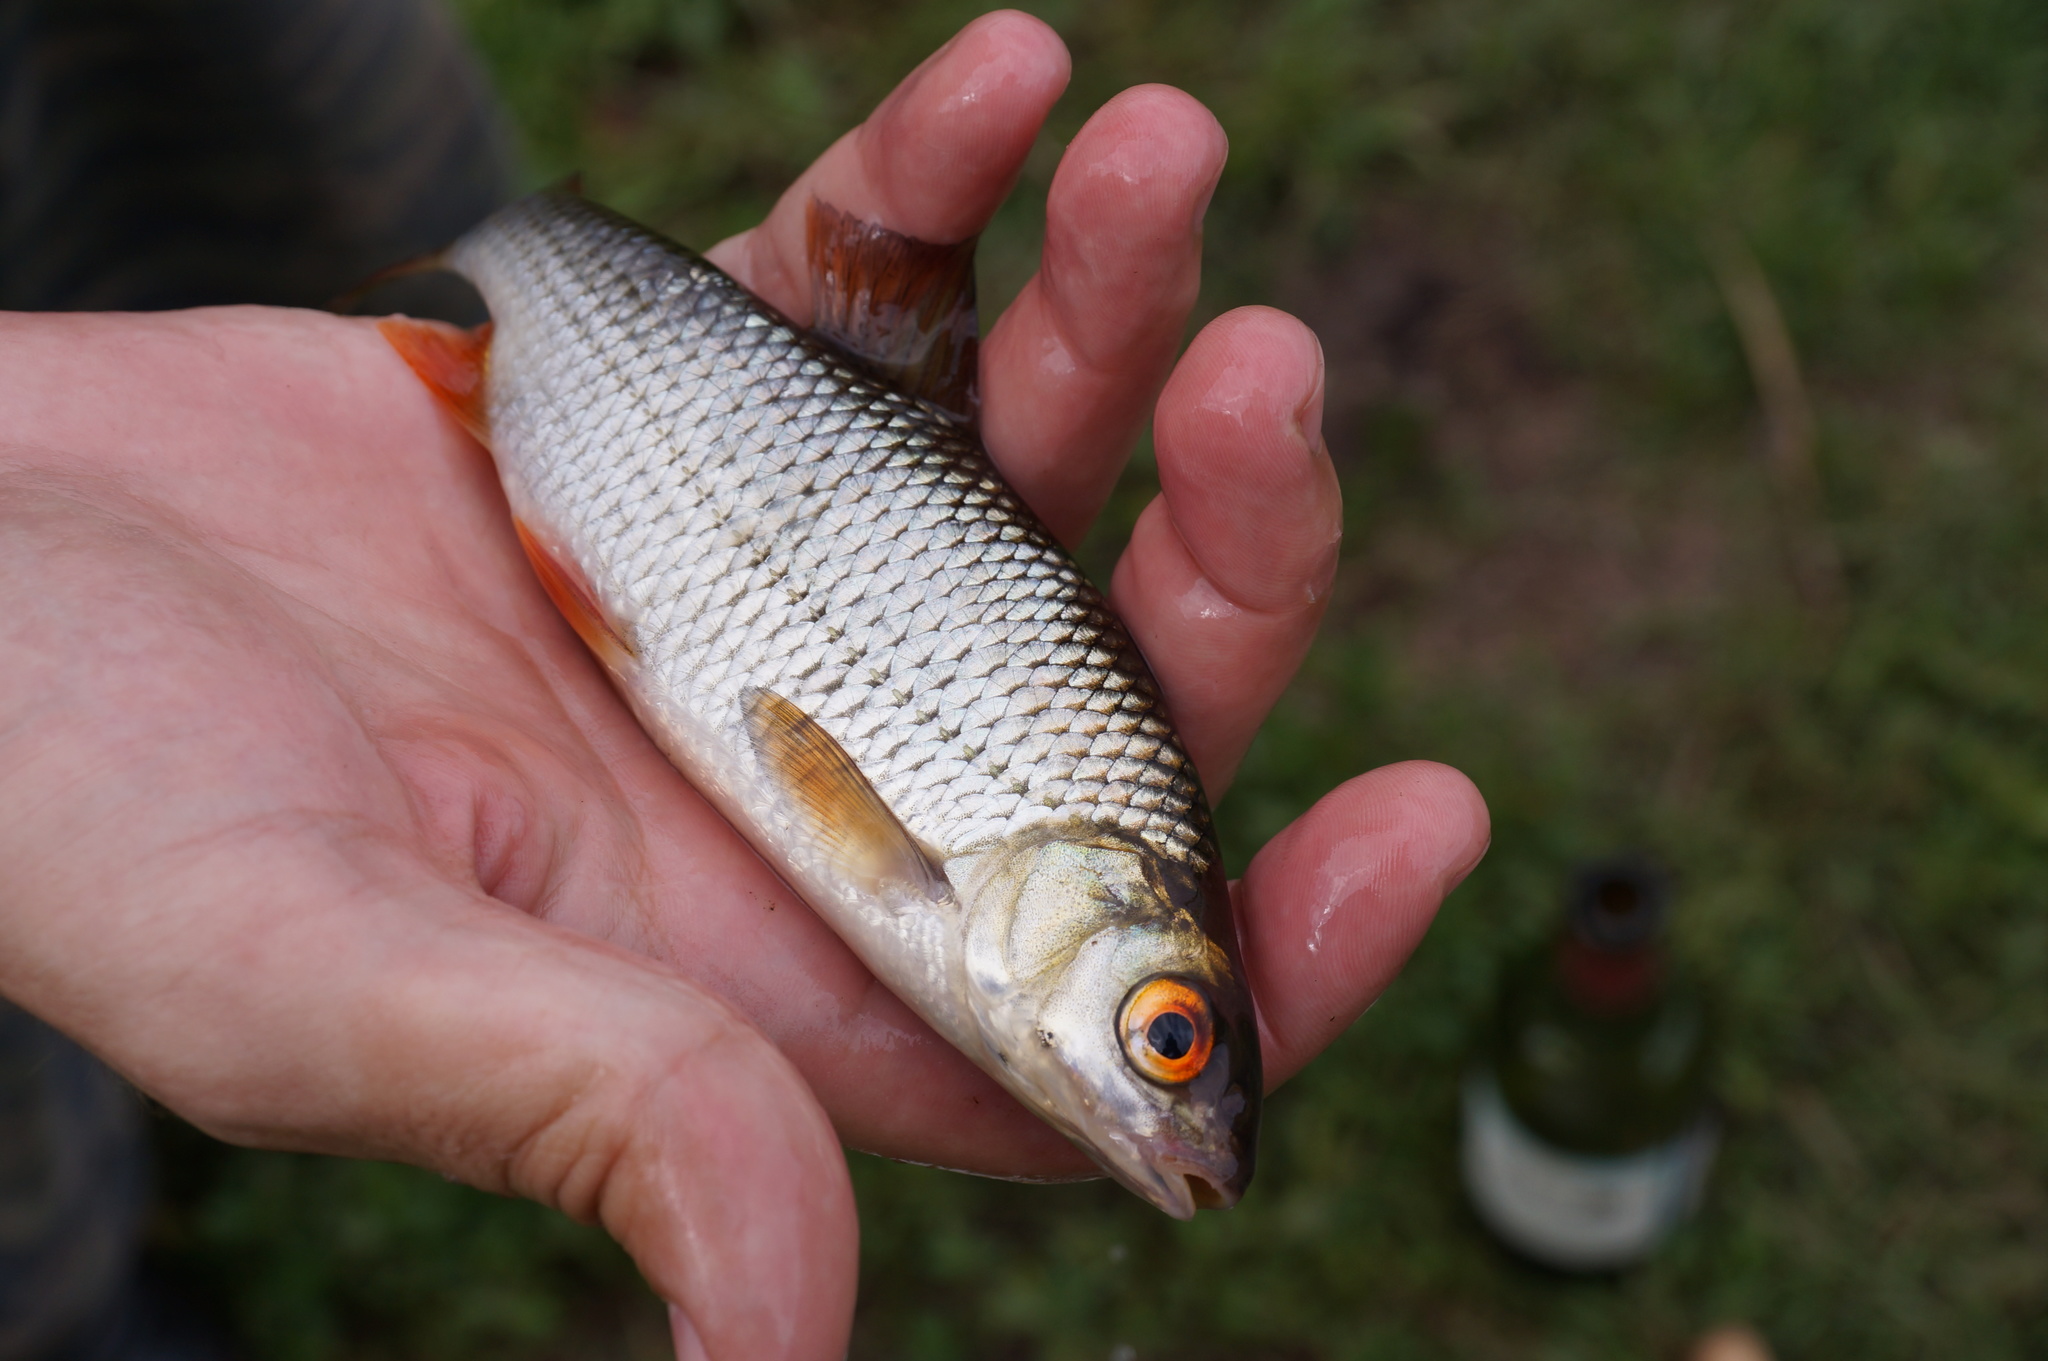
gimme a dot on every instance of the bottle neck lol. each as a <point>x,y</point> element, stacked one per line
<point>1610,982</point>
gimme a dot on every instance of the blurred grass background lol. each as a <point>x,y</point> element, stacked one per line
<point>1597,557</point>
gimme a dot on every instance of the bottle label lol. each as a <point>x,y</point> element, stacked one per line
<point>1571,1210</point>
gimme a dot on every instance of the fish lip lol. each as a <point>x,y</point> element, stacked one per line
<point>1165,1190</point>
<point>1205,1189</point>
<point>1179,1183</point>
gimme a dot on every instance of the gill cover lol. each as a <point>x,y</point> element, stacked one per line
<point>1105,982</point>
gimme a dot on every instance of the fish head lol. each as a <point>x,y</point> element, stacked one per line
<point>1104,980</point>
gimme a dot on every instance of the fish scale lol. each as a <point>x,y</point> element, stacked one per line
<point>692,453</point>
<point>824,604</point>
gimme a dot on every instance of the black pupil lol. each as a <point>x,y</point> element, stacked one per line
<point>1171,1035</point>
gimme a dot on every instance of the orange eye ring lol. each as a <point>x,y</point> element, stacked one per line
<point>1167,1030</point>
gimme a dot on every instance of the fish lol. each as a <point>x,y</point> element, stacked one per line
<point>792,554</point>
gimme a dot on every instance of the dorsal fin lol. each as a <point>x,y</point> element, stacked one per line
<point>450,361</point>
<point>862,838</point>
<point>903,306</point>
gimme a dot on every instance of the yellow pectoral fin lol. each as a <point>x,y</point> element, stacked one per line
<point>862,837</point>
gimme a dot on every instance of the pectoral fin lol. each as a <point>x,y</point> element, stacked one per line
<point>450,361</point>
<point>903,306</point>
<point>864,840</point>
<point>573,597</point>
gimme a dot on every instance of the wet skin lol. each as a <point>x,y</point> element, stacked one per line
<point>322,827</point>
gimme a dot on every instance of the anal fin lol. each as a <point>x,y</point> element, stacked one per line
<point>864,840</point>
<point>450,361</point>
<point>904,307</point>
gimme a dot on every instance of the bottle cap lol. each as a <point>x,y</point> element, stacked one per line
<point>1619,904</point>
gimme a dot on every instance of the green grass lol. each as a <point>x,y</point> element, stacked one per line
<point>1566,574</point>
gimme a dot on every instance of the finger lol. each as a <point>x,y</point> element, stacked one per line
<point>1227,571</point>
<point>933,161</point>
<point>1070,370</point>
<point>1333,906</point>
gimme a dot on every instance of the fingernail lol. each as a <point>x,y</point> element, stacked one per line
<point>1458,860</point>
<point>1308,424</point>
<point>1323,575</point>
<point>1459,873</point>
<point>1308,417</point>
<point>1203,199</point>
<point>689,1346</point>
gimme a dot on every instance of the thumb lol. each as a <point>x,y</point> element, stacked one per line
<point>387,1013</point>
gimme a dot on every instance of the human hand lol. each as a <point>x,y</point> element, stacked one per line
<point>1224,580</point>
<point>323,829</point>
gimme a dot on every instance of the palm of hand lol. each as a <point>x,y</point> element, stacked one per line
<point>288,732</point>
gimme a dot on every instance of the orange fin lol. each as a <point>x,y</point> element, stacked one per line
<point>572,595</point>
<point>862,837</point>
<point>450,361</point>
<point>903,306</point>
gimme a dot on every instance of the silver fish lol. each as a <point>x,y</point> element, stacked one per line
<point>825,605</point>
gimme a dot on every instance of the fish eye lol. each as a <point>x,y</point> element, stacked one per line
<point>1167,1030</point>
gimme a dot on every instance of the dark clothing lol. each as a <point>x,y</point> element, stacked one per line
<point>177,153</point>
<point>72,1191</point>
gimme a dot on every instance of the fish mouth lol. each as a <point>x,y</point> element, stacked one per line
<point>1169,1191</point>
<point>1181,1186</point>
<point>1210,1195</point>
<point>1204,1187</point>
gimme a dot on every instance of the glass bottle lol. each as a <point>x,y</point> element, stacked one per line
<point>1588,1132</point>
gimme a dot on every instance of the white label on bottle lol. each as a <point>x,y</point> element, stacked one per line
<point>1570,1210</point>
